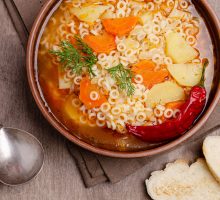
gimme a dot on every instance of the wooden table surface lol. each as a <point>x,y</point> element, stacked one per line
<point>60,178</point>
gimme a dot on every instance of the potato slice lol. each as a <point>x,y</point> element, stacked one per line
<point>89,13</point>
<point>63,84</point>
<point>164,93</point>
<point>186,74</point>
<point>70,110</point>
<point>177,14</point>
<point>211,150</point>
<point>178,49</point>
<point>146,17</point>
<point>108,14</point>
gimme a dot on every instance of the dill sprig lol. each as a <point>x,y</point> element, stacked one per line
<point>123,78</point>
<point>76,58</point>
<point>69,57</point>
<point>90,59</point>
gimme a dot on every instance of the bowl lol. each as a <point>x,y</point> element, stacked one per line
<point>50,6</point>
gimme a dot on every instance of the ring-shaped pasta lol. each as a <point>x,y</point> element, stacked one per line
<point>102,57</point>
<point>176,113</point>
<point>121,5</point>
<point>105,107</point>
<point>154,39</point>
<point>184,4</point>
<point>158,112</point>
<point>121,47</point>
<point>94,95</point>
<point>114,94</point>
<point>116,110</point>
<point>168,113</point>
<point>170,3</point>
<point>70,74</point>
<point>129,52</point>
<point>191,40</point>
<point>138,79</point>
<point>100,116</point>
<point>141,117</point>
<point>92,116</point>
<point>156,29</point>
<point>76,102</point>
<point>83,119</point>
<point>77,80</point>
<point>150,6</point>
<point>112,101</point>
<point>123,117</point>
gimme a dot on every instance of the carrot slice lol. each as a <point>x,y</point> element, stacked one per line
<point>146,68</point>
<point>101,43</point>
<point>86,87</point>
<point>120,26</point>
<point>175,105</point>
<point>144,65</point>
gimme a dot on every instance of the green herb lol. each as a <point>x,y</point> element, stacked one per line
<point>123,78</point>
<point>76,58</point>
<point>90,59</point>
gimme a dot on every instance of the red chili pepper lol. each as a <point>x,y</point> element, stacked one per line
<point>171,129</point>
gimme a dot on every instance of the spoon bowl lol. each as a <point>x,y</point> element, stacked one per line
<point>21,156</point>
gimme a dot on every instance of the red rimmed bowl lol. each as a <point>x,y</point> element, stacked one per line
<point>50,6</point>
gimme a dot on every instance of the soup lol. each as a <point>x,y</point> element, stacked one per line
<point>103,65</point>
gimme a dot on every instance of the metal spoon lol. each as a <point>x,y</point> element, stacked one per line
<point>21,156</point>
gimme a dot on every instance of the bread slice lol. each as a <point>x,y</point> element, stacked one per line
<point>211,150</point>
<point>179,181</point>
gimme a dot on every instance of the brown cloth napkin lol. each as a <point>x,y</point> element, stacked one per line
<point>95,168</point>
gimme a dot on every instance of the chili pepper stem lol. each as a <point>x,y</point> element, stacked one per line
<point>202,81</point>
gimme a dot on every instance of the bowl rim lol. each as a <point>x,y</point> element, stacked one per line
<point>57,125</point>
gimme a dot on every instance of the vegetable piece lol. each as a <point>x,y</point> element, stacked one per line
<point>70,110</point>
<point>101,43</point>
<point>178,49</point>
<point>146,68</point>
<point>146,17</point>
<point>108,14</point>
<point>120,26</point>
<point>173,128</point>
<point>186,74</point>
<point>123,78</point>
<point>164,93</point>
<point>177,14</point>
<point>76,59</point>
<point>63,84</point>
<point>89,13</point>
<point>175,105</point>
<point>86,87</point>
